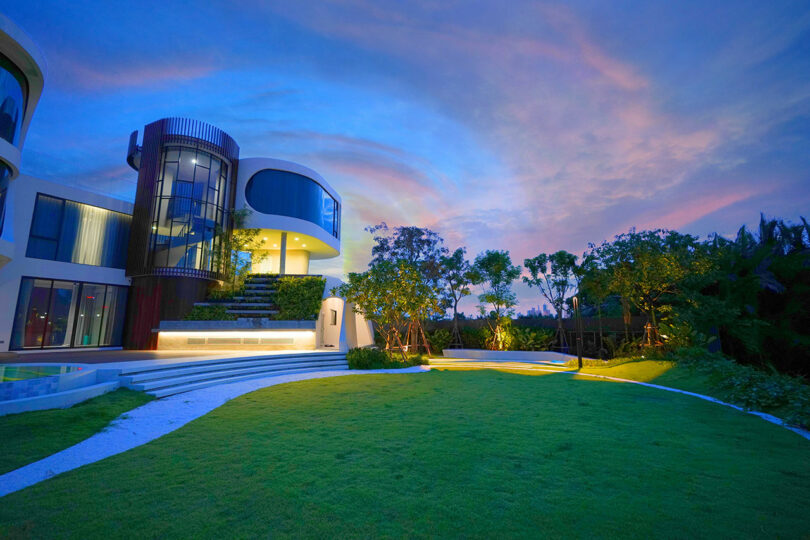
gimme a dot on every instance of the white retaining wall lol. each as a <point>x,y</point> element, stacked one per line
<point>509,356</point>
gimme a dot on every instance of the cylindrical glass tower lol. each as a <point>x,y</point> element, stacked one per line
<point>182,215</point>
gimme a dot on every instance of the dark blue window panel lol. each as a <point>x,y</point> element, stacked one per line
<point>5,176</point>
<point>68,231</point>
<point>62,314</point>
<point>47,217</point>
<point>42,248</point>
<point>13,94</point>
<point>285,193</point>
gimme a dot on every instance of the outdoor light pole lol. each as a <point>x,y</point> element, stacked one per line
<point>579,331</point>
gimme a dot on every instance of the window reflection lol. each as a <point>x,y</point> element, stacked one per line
<point>285,193</point>
<point>52,313</point>
<point>13,93</point>
<point>69,231</point>
<point>188,211</point>
<point>5,176</point>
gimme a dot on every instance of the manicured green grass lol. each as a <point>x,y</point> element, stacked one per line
<point>673,375</point>
<point>445,453</point>
<point>31,436</point>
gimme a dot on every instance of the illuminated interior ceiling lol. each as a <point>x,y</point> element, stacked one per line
<point>270,240</point>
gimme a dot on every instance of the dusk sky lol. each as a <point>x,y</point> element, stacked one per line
<point>514,125</point>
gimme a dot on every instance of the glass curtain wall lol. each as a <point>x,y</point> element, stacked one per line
<point>189,210</point>
<point>52,313</point>
<point>287,193</point>
<point>13,93</point>
<point>69,231</point>
<point>5,176</point>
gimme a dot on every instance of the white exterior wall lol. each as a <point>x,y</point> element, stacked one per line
<point>22,195</point>
<point>352,330</point>
<point>297,262</point>
<point>18,47</point>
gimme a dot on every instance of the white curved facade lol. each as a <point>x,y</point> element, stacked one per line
<point>288,242</point>
<point>21,82</point>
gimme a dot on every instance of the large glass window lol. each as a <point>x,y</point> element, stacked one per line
<point>285,193</point>
<point>5,176</point>
<point>189,209</point>
<point>13,93</point>
<point>68,231</point>
<point>52,314</point>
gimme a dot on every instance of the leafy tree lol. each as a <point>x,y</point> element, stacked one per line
<point>648,267</point>
<point>755,296</point>
<point>419,247</point>
<point>457,278</point>
<point>495,271</point>
<point>239,250</point>
<point>555,276</point>
<point>595,284</point>
<point>393,295</point>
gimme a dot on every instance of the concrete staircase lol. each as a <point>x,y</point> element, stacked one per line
<point>163,380</point>
<point>256,301</point>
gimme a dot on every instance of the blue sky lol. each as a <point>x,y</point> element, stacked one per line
<point>525,126</point>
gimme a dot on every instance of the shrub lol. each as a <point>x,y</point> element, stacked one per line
<point>531,339</point>
<point>439,340</point>
<point>371,358</point>
<point>210,313</point>
<point>749,387</point>
<point>299,298</point>
<point>224,294</point>
<point>473,338</point>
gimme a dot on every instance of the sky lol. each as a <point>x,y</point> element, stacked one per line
<point>525,126</point>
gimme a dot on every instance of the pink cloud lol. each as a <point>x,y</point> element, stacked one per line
<point>98,77</point>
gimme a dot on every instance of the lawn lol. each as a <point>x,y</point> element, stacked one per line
<point>31,436</point>
<point>444,453</point>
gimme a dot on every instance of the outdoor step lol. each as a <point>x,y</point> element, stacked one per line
<point>185,370</point>
<point>151,368</point>
<point>238,304</point>
<point>170,391</point>
<point>157,384</point>
<point>252,312</point>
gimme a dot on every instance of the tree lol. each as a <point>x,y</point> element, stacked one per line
<point>457,277</point>
<point>648,267</point>
<point>417,246</point>
<point>392,295</point>
<point>553,275</point>
<point>596,285</point>
<point>494,269</point>
<point>239,250</point>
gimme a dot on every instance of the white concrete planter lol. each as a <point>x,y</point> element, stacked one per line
<point>509,356</point>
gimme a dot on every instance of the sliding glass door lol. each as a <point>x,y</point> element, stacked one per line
<point>52,313</point>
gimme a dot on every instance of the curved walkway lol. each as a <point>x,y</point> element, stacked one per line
<point>155,419</point>
<point>162,416</point>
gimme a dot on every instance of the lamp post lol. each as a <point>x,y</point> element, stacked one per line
<point>579,331</point>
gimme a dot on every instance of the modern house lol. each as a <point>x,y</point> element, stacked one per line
<point>79,269</point>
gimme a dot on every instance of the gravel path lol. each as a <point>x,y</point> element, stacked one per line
<point>153,420</point>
